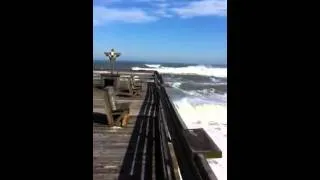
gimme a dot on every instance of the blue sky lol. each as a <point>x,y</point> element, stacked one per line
<point>189,31</point>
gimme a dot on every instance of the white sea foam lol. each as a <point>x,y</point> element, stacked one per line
<point>208,94</point>
<point>215,80</point>
<point>212,117</point>
<point>153,65</point>
<point>176,84</point>
<point>195,70</point>
<point>203,92</point>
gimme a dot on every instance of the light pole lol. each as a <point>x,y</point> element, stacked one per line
<point>112,55</point>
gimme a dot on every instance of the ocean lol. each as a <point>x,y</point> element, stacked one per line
<point>199,93</point>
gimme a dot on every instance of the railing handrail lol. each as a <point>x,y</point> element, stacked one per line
<point>190,162</point>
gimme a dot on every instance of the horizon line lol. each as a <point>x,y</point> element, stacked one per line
<point>157,62</point>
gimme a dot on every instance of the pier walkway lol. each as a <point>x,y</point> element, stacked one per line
<point>154,144</point>
<point>125,153</point>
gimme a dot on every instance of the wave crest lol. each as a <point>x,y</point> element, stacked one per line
<point>153,65</point>
<point>187,70</point>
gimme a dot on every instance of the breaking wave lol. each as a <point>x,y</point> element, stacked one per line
<point>203,70</point>
<point>212,117</point>
<point>153,65</point>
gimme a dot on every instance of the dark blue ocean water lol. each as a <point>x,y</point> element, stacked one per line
<point>103,64</point>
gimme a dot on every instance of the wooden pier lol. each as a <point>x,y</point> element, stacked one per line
<point>144,148</point>
<point>124,153</point>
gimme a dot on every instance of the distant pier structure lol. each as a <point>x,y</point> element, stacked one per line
<point>112,56</point>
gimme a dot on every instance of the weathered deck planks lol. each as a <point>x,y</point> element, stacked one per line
<point>125,153</point>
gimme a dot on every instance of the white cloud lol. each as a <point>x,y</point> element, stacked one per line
<point>102,15</point>
<point>162,13</point>
<point>155,9</point>
<point>161,10</point>
<point>202,8</point>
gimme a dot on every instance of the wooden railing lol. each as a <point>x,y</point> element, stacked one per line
<point>189,147</point>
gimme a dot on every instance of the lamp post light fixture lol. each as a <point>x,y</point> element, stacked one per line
<point>112,55</point>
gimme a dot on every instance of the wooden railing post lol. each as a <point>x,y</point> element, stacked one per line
<point>190,153</point>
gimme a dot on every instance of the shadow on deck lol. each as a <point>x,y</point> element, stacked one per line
<point>99,118</point>
<point>141,160</point>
